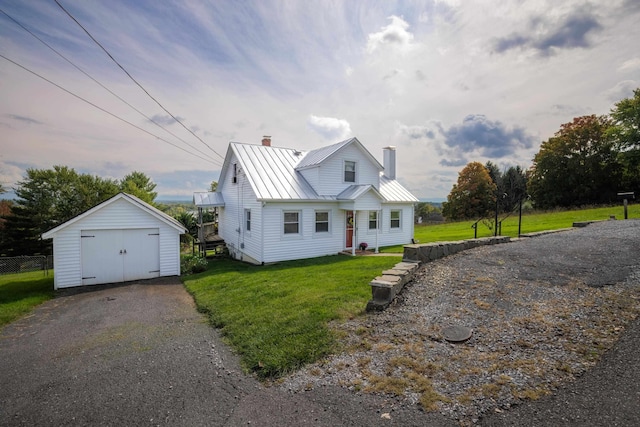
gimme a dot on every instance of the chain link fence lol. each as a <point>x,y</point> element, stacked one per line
<point>23,264</point>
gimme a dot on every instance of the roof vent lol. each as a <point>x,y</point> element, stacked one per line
<point>266,141</point>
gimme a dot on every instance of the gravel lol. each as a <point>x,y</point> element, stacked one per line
<point>543,311</point>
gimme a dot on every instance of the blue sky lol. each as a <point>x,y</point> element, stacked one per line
<point>445,81</point>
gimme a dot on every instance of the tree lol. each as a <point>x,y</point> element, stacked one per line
<point>214,186</point>
<point>45,199</point>
<point>626,134</point>
<point>472,196</point>
<point>140,185</point>
<point>577,166</point>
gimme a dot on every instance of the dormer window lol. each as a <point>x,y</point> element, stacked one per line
<point>349,171</point>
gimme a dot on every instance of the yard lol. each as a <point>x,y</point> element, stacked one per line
<point>276,316</point>
<point>20,292</point>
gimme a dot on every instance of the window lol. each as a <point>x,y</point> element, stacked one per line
<point>373,220</point>
<point>349,171</point>
<point>322,221</point>
<point>247,219</point>
<point>291,222</point>
<point>395,219</point>
<point>235,173</point>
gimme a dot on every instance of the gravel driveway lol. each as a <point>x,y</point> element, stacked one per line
<point>140,353</point>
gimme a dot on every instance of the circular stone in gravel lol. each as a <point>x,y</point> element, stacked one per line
<point>456,333</point>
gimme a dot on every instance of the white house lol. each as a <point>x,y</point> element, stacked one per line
<point>278,204</point>
<point>121,239</point>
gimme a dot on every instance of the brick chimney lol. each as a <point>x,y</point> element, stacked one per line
<point>389,161</point>
<point>266,141</point>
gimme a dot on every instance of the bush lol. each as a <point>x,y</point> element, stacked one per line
<point>193,264</point>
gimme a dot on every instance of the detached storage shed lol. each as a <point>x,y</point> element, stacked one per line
<point>121,239</point>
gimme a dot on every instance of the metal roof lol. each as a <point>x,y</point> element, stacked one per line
<point>316,157</point>
<point>393,191</point>
<point>273,175</point>
<point>352,192</point>
<point>208,200</point>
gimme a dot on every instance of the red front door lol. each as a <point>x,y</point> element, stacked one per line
<point>349,229</point>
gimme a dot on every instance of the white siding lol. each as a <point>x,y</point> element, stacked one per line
<point>331,173</point>
<point>307,244</point>
<point>231,222</point>
<point>120,214</point>
<point>387,236</point>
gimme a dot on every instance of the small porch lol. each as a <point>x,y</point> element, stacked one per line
<point>362,206</point>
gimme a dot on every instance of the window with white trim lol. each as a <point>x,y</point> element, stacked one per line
<point>322,221</point>
<point>349,171</point>
<point>291,222</point>
<point>395,219</point>
<point>247,219</point>
<point>373,220</point>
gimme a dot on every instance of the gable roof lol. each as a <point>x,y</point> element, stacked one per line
<point>316,157</point>
<point>144,206</point>
<point>273,174</point>
<point>353,192</point>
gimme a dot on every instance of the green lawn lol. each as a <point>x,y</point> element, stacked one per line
<point>21,292</point>
<point>530,223</point>
<point>275,316</point>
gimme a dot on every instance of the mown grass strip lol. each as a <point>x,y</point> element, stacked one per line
<point>531,223</point>
<point>276,316</point>
<point>21,292</point>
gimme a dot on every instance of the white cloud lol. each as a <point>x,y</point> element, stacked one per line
<point>630,65</point>
<point>330,128</point>
<point>395,35</point>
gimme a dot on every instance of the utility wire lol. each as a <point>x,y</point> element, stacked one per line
<point>103,110</point>
<point>134,80</point>
<point>103,86</point>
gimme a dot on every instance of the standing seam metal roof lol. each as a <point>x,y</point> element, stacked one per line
<point>272,173</point>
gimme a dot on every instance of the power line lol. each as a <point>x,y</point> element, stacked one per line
<point>103,86</point>
<point>134,80</point>
<point>105,111</point>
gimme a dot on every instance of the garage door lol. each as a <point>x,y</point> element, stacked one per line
<point>110,256</point>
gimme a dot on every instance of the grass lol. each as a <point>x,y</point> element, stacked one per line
<point>276,316</point>
<point>21,292</point>
<point>531,222</point>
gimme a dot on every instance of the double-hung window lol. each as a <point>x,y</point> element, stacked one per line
<point>373,220</point>
<point>247,219</point>
<point>322,221</point>
<point>395,219</point>
<point>349,171</point>
<point>291,222</point>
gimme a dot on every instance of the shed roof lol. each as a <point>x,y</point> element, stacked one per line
<point>144,206</point>
<point>208,200</point>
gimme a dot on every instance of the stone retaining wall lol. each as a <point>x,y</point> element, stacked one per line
<point>384,288</point>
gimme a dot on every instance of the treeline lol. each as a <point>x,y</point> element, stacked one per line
<point>587,162</point>
<point>49,197</point>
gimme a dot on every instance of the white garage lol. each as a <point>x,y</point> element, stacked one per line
<point>119,240</point>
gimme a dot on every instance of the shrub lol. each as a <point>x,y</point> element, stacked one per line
<point>193,264</point>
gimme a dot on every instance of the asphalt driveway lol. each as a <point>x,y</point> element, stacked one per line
<point>141,354</point>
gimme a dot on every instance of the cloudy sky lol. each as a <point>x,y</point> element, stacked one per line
<point>445,81</point>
